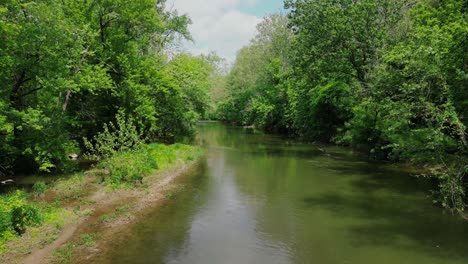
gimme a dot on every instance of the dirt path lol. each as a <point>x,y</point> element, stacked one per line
<point>38,256</point>
<point>106,203</point>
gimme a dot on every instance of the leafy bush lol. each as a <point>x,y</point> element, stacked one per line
<point>401,130</point>
<point>24,215</point>
<point>5,218</point>
<point>119,137</point>
<point>452,186</point>
<point>39,188</point>
<point>132,166</point>
<point>129,167</point>
<point>16,213</point>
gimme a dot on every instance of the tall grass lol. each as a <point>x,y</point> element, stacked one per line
<point>132,166</point>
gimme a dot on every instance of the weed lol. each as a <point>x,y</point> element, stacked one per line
<point>16,213</point>
<point>122,209</point>
<point>65,254</point>
<point>169,195</point>
<point>39,188</point>
<point>71,188</point>
<point>132,166</point>
<point>87,240</point>
<point>107,218</point>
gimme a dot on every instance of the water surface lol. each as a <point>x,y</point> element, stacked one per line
<point>264,199</point>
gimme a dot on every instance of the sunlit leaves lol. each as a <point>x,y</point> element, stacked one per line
<point>67,67</point>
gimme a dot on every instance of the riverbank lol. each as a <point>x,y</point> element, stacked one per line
<point>83,211</point>
<point>261,198</point>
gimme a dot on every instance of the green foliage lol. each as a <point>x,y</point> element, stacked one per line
<point>323,110</point>
<point>193,78</point>
<point>128,167</point>
<point>132,167</point>
<point>452,187</point>
<point>39,188</point>
<point>68,67</point>
<point>5,219</point>
<point>121,137</point>
<point>24,215</point>
<point>88,240</point>
<point>17,213</point>
<point>388,77</point>
<point>255,91</point>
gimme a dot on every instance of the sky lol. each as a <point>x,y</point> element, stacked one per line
<point>223,26</point>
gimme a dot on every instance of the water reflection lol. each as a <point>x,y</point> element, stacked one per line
<point>264,199</point>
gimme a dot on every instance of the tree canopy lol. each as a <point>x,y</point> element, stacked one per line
<point>68,67</point>
<point>388,77</point>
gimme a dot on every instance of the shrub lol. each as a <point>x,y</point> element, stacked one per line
<point>132,166</point>
<point>129,167</point>
<point>24,215</point>
<point>5,219</point>
<point>39,188</point>
<point>16,213</point>
<point>452,187</point>
<point>119,137</point>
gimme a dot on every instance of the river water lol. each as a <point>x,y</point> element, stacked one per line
<point>264,199</point>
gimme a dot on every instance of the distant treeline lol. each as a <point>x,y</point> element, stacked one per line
<point>69,67</point>
<point>386,76</point>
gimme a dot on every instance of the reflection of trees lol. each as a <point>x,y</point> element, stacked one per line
<point>316,204</point>
<point>323,207</point>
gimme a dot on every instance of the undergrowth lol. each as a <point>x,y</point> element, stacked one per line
<point>129,168</point>
<point>22,212</point>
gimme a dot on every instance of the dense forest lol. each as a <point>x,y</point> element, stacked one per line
<point>74,72</point>
<point>386,77</point>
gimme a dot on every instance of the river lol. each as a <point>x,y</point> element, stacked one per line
<point>264,199</point>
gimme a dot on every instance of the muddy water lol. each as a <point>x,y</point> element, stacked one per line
<point>263,199</point>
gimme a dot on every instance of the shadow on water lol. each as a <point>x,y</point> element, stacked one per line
<point>390,210</point>
<point>368,177</point>
<point>266,199</point>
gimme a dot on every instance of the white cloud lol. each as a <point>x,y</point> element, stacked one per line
<point>218,25</point>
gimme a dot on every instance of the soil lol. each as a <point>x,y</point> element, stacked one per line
<point>112,212</point>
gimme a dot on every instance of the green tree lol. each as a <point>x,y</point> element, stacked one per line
<point>256,94</point>
<point>68,67</point>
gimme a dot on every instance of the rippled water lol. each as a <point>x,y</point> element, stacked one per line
<point>263,199</point>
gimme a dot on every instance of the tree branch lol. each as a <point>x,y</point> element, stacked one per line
<point>67,98</point>
<point>30,92</point>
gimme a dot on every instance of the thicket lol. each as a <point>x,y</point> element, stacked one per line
<point>16,214</point>
<point>131,167</point>
<point>68,67</point>
<point>388,77</point>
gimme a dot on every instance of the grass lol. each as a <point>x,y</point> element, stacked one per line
<point>169,195</point>
<point>130,168</point>
<point>107,218</point>
<point>65,254</point>
<point>47,219</point>
<point>71,188</point>
<point>88,240</point>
